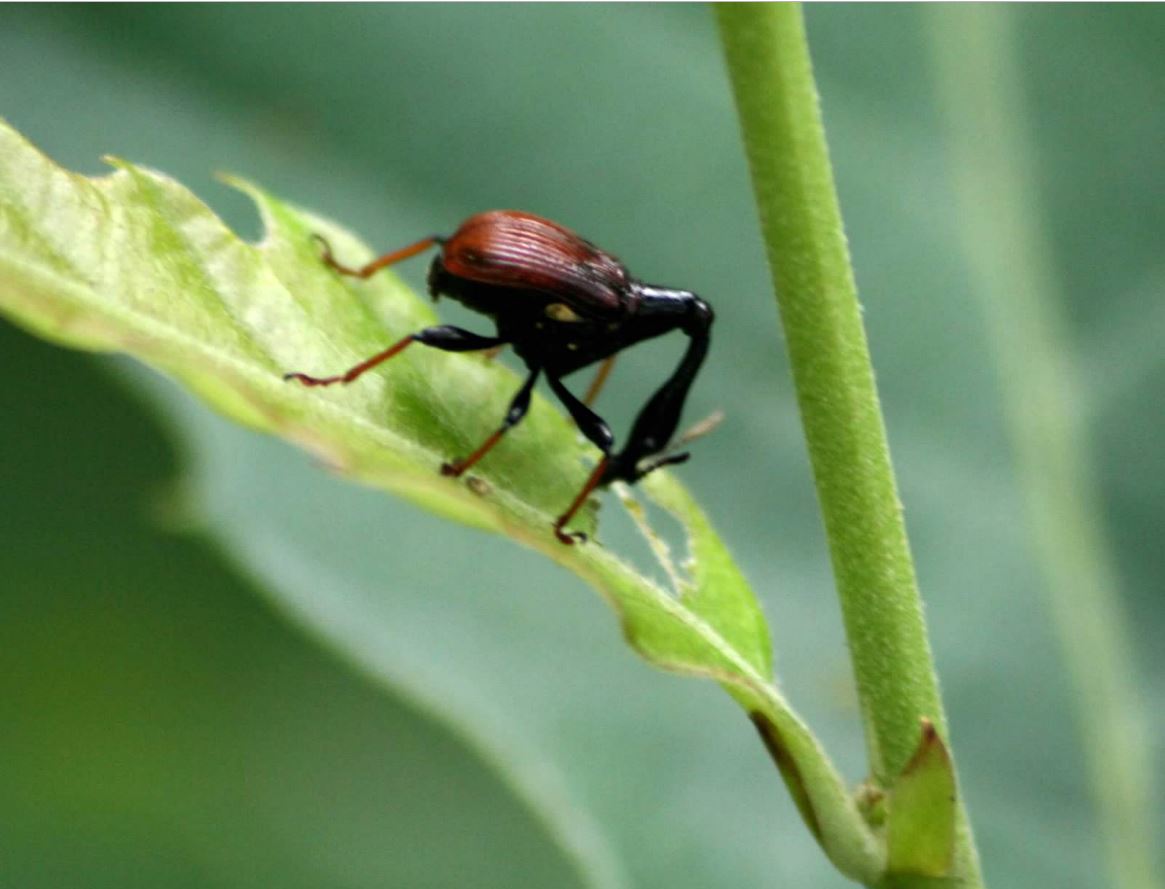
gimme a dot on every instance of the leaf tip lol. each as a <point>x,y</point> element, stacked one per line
<point>238,183</point>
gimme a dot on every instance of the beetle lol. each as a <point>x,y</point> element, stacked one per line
<point>562,304</point>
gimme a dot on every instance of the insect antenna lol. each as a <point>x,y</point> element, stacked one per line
<point>668,456</point>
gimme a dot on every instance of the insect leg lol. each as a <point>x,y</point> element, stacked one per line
<point>589,423</point>
<point>599,381</point>
<point>445,337</point>
<point>657,421</point>
<point>596,478</point>
<point>594,428</point>
<point>371,268</point>
<point>514,415</point>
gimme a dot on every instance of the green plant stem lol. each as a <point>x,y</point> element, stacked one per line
<point>768,61</point>
<point>975,59</point>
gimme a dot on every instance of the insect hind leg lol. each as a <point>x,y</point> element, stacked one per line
<point>371,268</point>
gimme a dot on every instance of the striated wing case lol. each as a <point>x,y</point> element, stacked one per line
<point>509,248</point>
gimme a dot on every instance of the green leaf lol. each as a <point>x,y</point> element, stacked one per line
<point>618,121</point>
<point>134,262</point>
<point>921,828</point>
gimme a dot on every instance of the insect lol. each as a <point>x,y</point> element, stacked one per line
<point>562,304</point>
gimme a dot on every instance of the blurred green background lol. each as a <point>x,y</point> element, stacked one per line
<point>221,667</point>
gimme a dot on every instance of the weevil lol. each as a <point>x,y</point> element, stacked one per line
<point>562,304</point>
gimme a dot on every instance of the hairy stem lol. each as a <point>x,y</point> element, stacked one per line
<point>772,77</point>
